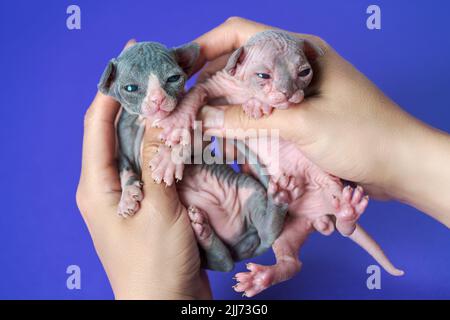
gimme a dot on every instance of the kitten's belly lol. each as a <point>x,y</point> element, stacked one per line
<point>221,201</point>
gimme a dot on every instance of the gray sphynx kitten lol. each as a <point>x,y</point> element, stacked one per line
<point>232,215</point>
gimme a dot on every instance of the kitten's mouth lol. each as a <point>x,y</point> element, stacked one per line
<point>282,106</point>
<point>297,97</point>
<point>281,101</point>
<point>158,112</point>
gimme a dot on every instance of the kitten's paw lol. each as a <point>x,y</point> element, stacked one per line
<point>324,225</point>
<point>176,127</point>
<point>284,188</point>
<point>254,108</point>
<point>129,201</point>
<point>200,225</point>
<point>166,166</point>
<point>256,280</point>
<point>348,208</point>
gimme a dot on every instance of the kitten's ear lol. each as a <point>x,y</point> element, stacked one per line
<point>236,57</point>
<point>186,56</point>
<point>130,43</point>
<point>311,50</point>
<point>108,77</point>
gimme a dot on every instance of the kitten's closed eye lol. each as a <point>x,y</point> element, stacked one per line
<point>131,88</point>
<point>174,78</point>
<point>304,72</point>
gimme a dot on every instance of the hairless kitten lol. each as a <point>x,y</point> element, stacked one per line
<point>272,70</point>
<point>232,214</point>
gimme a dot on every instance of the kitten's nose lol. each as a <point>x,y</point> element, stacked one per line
<point>287,93</point>
<point>286,88</point>
<point>157,98</point>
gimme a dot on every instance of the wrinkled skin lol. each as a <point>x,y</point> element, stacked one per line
<point>272,69</point>
<point>232,214</point>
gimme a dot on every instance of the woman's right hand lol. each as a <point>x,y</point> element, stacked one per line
<point>348,127</point>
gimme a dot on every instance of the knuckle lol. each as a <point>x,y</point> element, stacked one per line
<point>320,42</point>
<point>233,20</point>
<point>82,199</point>
<point>243,120</point>
<point>149,149</point>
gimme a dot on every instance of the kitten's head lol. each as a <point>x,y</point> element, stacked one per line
<point>148,78</point>
<point>275,66</point>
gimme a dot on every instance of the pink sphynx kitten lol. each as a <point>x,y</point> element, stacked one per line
<point>272,71</point>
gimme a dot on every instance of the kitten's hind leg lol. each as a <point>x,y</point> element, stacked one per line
<point>131,193</point>
<point>286,247</point>
<point>349,206</point>
<point>268,215</point>
<point>217,255</point>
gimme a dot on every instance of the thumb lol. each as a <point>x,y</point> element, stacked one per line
<point>232,122</point>
<point>163,199</point>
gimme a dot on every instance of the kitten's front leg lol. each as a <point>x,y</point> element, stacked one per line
<point>255,108</point>
<point>168,164</point>
<point>177,126</point>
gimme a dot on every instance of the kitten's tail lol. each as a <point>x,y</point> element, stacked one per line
<point>365,241</point>
<point>258,169</point>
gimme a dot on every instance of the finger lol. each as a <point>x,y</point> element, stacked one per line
<point>99,142</point>
<point>225,38</point>
<point>159,196</point>
<point>232,122</point>
<point>212,67</point>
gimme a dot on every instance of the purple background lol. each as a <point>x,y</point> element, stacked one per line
<point>49,76</point>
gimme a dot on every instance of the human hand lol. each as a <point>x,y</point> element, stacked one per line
<point>347,126</point>
<point>154,254</point>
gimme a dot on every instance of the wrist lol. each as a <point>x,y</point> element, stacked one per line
<point>156,291</point>
<point>418,170</point>
<point>163,287</point>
